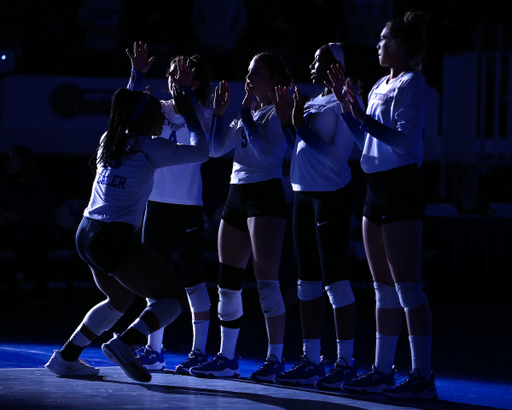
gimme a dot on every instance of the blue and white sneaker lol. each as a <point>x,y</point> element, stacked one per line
<point>305,373</point>
<point>414,387</point>
<point>217,366</point>
<point>151,359</point>
<point>340,373</point>
<point>195,358</point>
<point>124,356</point>
<point>270,368</point>
<point>372,381</point>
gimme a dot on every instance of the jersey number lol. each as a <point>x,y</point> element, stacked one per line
<point>173,137</point>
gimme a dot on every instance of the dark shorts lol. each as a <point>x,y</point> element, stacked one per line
<point>106,245</point>
<point>394,195</point>
<point>321,234</point>
<point>180,228</point>
<point>245,201</point>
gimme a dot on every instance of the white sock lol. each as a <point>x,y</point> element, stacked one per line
<point>420,353</point>
<point>140,326</point>
<point>276,350</point>
<point>155,340</point>
<point>200,334</point>
<point>229,338</point>
<point>311,349</point>
<point>385,352</point>
<point>346,350</point>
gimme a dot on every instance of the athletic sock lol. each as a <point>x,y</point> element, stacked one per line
<point>200,334</point>
<point>276,349</point>
<point>385,352</point>
<point>155,340</point>
<point>420,353</point>
<point>311,348</point>
<point>229,338</point>
<point>346,350</point>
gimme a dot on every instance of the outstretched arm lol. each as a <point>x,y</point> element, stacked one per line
<point>140,65</point>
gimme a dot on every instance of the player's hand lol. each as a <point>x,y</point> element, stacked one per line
<point>283,105</point>
<point>182,102</point>
<point>139,58</point>
<point>337,85</point>
<point>221,99</point>
<point>185,73</point>
<point>353,101</point>
<point>298,109</point>
<point>248,99</point>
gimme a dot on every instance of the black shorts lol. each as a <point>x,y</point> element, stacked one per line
<point>394,195</point>
<point>321,234</point>
<point>106,245</point>
<point>180,228</point>
<point>265,198</point>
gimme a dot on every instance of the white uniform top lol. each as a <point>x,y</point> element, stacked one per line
<point>259,145</point>
<point>401,105</point>
<point>119,194</point>
<point>322,147</point>
<point>180,184</point>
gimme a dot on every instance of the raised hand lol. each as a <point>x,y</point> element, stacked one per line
<point>221,99</point>
<point>184,75</point>
<point>353,101</point>
<point>182,102</point>
<point>139,58</point>
<point>248,99</point>
<point>283,105</point>
<point>338,85</point>
<point>298,109</point>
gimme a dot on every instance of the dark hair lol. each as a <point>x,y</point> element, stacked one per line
<point>276,67</point>
<point>29,172</point>
<point>125,104</point>
<point>411,31</point>
<point>202,74</point>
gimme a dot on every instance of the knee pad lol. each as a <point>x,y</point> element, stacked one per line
<point>230,304</point>
<point>165,310</point>
<point>230,277</point>
<point>411,295</point>
<point>271,299</point>
<point>386,297</point>
<point>198,298</point>
<point>101,317</point>
<point>309,290</point>
<point>340,294</point>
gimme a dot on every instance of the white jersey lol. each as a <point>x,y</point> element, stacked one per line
<point>259,145</point>
<point>119,194</point>
<point>322,147</point>
<point>180,184</point>
<point>401,105</point>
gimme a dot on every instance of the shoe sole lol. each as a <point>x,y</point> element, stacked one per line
<point>90,374</point>
<point>211,375</point>
<point>297,382</point>
<point>366,390</point>
<point>158,366</point>
<point>130,372</point>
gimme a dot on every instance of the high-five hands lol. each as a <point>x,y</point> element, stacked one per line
<point>139,58</point>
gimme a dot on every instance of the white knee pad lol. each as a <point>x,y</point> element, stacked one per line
<point>198,298</point>
<point>386,297</point>
<point>411,295</point>
<point>101,317</point>
<point>230,304</point>
<point>309,290</point>
<point>340,294</point>
<point>271,299</point>
<point>165,310</point>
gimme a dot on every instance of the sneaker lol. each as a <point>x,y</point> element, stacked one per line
<point>303,374</point>
<point>414,387</point>
<point>270,368</point>
<point>195,358</point>
<point>372,381</point>
<point>341,373</point>
<point>62,367</point>
<point>125,356</point>
<point>151,359</point>
<point>217,366</point>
